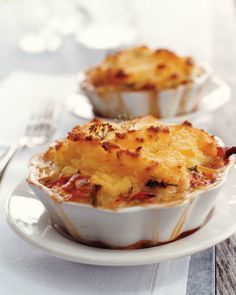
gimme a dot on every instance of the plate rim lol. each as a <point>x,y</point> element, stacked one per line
<point>140,257</point>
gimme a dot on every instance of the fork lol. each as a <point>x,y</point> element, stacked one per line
<point>38,131</point>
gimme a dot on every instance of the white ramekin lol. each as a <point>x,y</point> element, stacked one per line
<point>132,227</point>
<point>168,103</point>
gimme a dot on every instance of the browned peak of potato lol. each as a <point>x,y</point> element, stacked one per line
<point>141,68</point>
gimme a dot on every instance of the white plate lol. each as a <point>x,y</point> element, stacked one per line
<point>28,218</point>
<point>215,95</point>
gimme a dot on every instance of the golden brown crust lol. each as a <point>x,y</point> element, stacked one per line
<point>141,161</point>
<point>141,69</point>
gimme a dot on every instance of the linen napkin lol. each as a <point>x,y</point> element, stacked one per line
<point>27,270</point>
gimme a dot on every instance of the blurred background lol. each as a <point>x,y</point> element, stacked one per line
<point>59,36</point>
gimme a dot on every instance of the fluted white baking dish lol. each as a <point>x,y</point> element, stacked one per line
<point>167,103</point>
<point>132,227</point>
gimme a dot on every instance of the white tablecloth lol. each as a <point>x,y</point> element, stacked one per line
<point>26,270</point>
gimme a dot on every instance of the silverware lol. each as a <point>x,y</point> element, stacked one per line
<point>38,131</point>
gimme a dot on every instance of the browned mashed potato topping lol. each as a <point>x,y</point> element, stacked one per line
<point>136,162</point>
<point>140,69</point>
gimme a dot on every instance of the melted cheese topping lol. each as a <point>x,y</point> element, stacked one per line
<point>141,161</point>
<point>142,69</point>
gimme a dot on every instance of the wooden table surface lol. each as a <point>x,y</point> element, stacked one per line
<point>225,127</point>
<point>205,29</point>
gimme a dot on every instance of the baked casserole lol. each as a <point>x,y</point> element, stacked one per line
<point>130,184</point>
<point>138,162</point>
<point>141,81</point>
